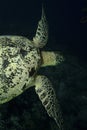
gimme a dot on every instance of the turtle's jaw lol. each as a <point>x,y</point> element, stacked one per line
<point>51,58</point>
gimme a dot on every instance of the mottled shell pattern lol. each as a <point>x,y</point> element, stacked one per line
<point>19,61</point>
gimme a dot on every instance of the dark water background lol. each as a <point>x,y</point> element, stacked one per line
<point>68,34</point>
<point>63,17</point>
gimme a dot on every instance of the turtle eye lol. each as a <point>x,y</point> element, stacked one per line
<point>23,52</point>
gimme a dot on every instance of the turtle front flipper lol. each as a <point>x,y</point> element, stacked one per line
<point>41,36</point>
<point>46,93</point>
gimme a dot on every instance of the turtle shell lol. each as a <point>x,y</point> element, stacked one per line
<point>19,61</point>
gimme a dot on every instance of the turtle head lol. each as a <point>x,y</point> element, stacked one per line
<point>51,58</point>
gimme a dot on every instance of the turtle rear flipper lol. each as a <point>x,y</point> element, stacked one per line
<point>41,36</point>
<point>46,93</point>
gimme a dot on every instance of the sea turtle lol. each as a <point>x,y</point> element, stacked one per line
<point>20,59</point>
